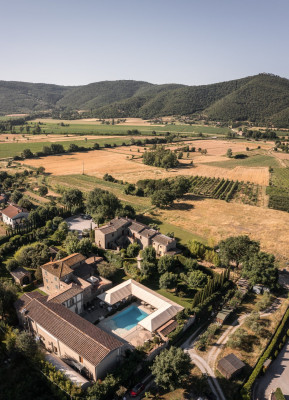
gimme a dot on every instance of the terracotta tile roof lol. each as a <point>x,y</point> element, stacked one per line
<point>137,226</point>
<point>86,339</point>
<point>73,259</point>
<point>93,259</point>
<point>114,224</point>
<point>72,291</point>
<point>20,273</point>
<point>12,211</point>
<point>26,299</point>
<point>57,268</point>
<point>147,232</point>
<point>62,267</point>
<point>162,239</point>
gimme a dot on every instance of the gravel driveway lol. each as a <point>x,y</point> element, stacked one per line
<point>78,223</point>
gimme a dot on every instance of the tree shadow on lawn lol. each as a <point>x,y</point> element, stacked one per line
<point>182,206</point>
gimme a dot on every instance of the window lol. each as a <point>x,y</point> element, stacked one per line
<point>55,278</point>
<point>47,280</point>
<point>56,286</point>
<point>45,272</point>
<point>71,302</point>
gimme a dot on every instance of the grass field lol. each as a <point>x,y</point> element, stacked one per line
<point>256,160</point>
<point>119,163</point>
<point>13,149</point>
<point>94,127</point>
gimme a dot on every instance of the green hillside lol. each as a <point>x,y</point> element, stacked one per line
<point>260,99</point>
<point>23,97</point>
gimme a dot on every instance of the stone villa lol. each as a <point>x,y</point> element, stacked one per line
<point>68,335</point>
<point>71,282</point>
<point>120,232</point>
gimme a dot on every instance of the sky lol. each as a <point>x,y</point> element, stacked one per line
<point>192,42</point>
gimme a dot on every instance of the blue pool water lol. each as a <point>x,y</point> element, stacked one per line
<point>129,317</point>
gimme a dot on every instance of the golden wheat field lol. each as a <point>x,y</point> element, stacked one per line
<point>119,163</point>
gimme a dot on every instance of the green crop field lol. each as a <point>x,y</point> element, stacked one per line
<point>256,160</point>
<point>13,149</point>
<point>103,129</point>
<point>278,190</point>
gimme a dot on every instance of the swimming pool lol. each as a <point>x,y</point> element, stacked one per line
<point>129,318</point>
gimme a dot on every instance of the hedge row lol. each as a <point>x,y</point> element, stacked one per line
<point>246,389</point>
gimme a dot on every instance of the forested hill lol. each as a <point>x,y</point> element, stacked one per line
<point>261,98</point>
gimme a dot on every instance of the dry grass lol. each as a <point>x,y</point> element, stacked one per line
<point>217,219</point>
<point>118,162</point>
<point>93,121</point>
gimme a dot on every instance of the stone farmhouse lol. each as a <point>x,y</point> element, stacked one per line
<point>69,336</point>
<point>14,215</point>
<point>70,281</point>
<point>120,232</point>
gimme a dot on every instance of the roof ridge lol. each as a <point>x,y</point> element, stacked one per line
<point>75,327</point>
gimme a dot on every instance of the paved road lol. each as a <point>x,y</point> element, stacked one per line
<point>276,376</point>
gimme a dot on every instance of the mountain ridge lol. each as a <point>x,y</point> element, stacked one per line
<point>262,98</point>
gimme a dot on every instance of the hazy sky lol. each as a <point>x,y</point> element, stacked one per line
<point>193,42</point>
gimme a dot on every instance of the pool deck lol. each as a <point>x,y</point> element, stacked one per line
<point>135,336</point>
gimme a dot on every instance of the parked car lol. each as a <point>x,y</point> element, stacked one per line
<point>137,389</point>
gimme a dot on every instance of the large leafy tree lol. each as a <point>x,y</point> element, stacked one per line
<point>73,198</point>
<point>168,280</point>
<point>8,295</point>
<point>261,269</point>
<point>166,263</point>
<point>33,255</point>
<point>163,198</point>
<point>171,367</point>
<point>195,279</point>
<point>102,204</point>
<point>237,249</point>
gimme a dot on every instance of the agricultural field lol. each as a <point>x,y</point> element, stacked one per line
<point>224,189</point>
<point>255,160</point>
<point>278,191</point>
<point>202,214</point>
<point>94,126</point>
<point>215,220</point>
<point>13,149</point>
<point>125,163</point>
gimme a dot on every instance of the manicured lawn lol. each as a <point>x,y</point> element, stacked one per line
<point>182,301</point>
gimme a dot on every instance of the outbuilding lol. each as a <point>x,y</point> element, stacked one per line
<point>21,276</point>
<point>230,366</point>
